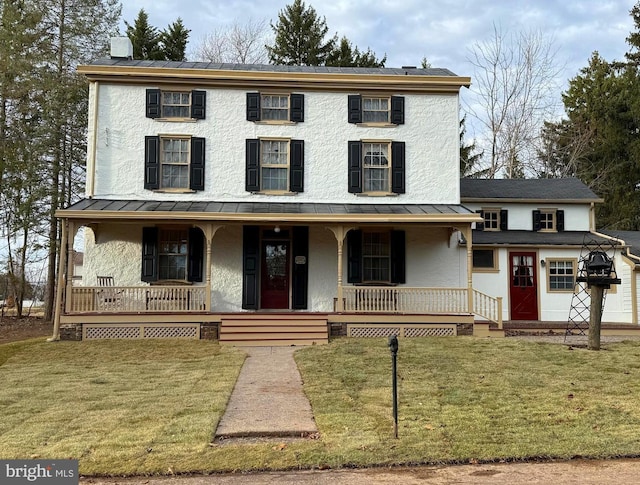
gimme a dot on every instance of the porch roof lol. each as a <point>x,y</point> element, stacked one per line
<point>110,209</point>
<point>531,238</point>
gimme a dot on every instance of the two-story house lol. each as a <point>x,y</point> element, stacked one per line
<point>270,203</point>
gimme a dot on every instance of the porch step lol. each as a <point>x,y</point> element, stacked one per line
<point>273,330</point>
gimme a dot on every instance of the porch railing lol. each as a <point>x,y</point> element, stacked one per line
<point>385,299</point>
<point>136,299</point>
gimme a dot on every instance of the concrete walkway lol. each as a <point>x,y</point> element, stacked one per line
<point>267,399</point>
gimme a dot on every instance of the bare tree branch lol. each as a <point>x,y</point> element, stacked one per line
<point>241,43</point>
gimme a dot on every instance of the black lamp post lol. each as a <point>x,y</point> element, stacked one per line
<point>600,275</point>
<point>393,347</point>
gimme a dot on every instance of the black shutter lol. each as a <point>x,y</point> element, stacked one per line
<point>151,162</point>
<point>253,106</point>
<point>398,252</point>
<point>397,167</point>
<point>153,109</point>
<point>300,267</point>
<point>355,167</point>
<point>196,255</point>
<point>149,254</point>
<point>296,113</point>
<point>397,110</point>
<point>504,219</point>
<point>480,225</point>
<point>355,108</point>
<point>252,178</point>
<point>536,220</point>
<point>354,256</point>
<point>559,220</point>
<point>250,266</point>
<point>296,175</point>
<point>196,179</point>
<point>199,105</point>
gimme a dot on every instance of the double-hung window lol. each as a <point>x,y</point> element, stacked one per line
<point>172,254</point>
<point>376,256</point>
<point>174,163</point>
<point>376,167</point>
<point>274,165</point>
<point>275,107</point>
<point>376,109</point>
<point>176,104</point>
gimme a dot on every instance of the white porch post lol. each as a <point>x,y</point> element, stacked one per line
<point>209,230</point>
<point>61,281</point>
<point>340,232</point>
<point>69,273</point>
<point>467,235</point>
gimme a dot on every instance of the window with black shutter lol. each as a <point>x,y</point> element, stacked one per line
<point>172,254</point>
<point>174,163</point>
<point>376,168</point>
<point>275,107</point>
<point>176,105</point>
<point>376,257</point>
<point>274,165</point>
<point>548,220</point>
<point>375,110</point>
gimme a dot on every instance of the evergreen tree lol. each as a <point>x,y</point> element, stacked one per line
<point>469,157</point>
<point>145,38</point>
<point>173,41</point>
<point>300,37</point>
<point>345,55</point>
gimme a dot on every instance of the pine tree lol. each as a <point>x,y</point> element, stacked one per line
<point>300,37</point>
<point>173,41</point>
<point>345,55</point>
<point>145,38</point>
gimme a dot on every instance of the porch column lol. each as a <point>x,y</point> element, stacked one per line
<point>340,232</point>
<point>467,235</point>
<point>61,281</point>
<point>73,228</point>
<point>209,230</point>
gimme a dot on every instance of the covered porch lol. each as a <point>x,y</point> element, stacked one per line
<point>349,304</point>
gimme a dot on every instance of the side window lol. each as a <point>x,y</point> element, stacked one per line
<point>484,260</point>
<point>274,165</point>
<point>275,107</point>
<point>376,167</point>
<point>381,110</point>
<point>548,220</point>
<point>561,274</point>
<point>176,105</point>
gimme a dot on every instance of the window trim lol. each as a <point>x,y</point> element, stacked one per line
<point>295,114</point>
<point>153,164</point>
<point>554,220</point>
<point>262,165</point>
<point>496,263</point>
<point>548,261</point>
<point>355,110</point>
<point>363,256</point>
<point>154,104</point>
<point>166,229</point>
<point>491,210</point>
<point>295,166</point>
<point>161,164</point>
<point>287,119</point>
<point>396,168</point>
<point>377,193</point>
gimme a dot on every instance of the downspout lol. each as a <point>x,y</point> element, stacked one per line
<point>61,281</point>
<point>91,154</point>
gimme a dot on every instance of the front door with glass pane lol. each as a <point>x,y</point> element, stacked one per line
<point>274,282</point>
<point>523,286</point>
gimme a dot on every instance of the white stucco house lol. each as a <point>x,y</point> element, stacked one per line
<point>282,205</point>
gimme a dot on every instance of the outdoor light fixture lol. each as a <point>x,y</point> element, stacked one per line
<point>276,229</point>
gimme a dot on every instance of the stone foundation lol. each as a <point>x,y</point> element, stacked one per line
<point>209,331</point>
<point>71,331</point>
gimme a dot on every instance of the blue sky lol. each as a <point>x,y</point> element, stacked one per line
<point>443,31</point>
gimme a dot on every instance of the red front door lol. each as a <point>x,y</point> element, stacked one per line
<point>523,286</point>
<point>274,285</point>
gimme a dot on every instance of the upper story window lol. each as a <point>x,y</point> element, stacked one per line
<point>275,107</point>
<point>376,110</point>
<point>176,104</point>
<point>274,165</point>
<point>174,163</point>
<point>495,219</point>
<point>548,220</point>
<point>376,167</point>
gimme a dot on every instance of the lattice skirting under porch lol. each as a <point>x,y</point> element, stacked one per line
<point>401,330</point>
<point>140,331</point>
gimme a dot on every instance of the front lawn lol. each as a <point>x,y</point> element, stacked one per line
<point>126,407</point>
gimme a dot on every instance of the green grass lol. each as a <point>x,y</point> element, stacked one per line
<point>151,407</point>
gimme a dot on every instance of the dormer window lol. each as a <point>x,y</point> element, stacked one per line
<point>176,105</point>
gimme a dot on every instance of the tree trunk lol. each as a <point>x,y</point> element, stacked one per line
<point>595,318</point>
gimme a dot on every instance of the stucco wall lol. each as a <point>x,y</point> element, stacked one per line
<point>430,133</point>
